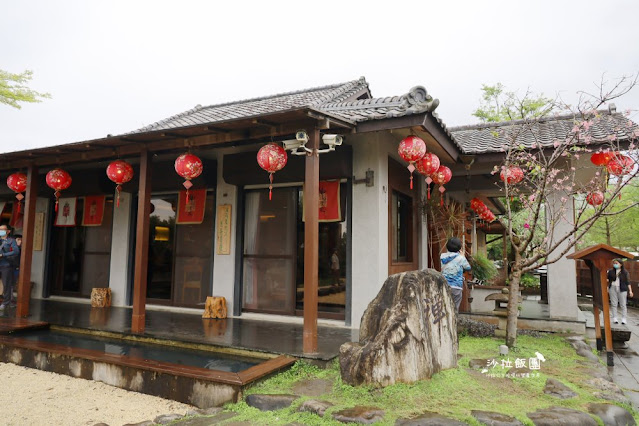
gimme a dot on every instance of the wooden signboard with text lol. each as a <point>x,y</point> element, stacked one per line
<point>224,220</point>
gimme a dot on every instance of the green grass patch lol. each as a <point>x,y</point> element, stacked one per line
<point>453,393</point>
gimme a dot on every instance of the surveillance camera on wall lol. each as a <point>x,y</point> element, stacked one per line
<point>292,144</point>
<point>301,136</point>
<point>332,140</point>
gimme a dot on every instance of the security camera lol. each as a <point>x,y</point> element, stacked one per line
<point>292,144</point>
<point>301,136</point>
<point>332,140</point>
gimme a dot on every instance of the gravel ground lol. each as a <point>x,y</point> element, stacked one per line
<point>34,397</point>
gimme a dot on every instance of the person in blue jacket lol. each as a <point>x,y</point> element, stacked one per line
<point>454,264</point>
<point>9,252</point>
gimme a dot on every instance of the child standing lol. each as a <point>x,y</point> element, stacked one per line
<point>454,264</point>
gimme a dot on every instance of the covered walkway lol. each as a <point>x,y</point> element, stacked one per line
<point>230,333</point>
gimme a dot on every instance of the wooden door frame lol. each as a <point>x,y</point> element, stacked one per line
<point>398,181</point>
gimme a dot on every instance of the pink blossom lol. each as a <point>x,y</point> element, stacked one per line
<point>526,226</point>
<point>587,125</point>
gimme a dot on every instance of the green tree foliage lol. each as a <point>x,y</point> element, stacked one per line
<point>499,105</point>
<point>14,89</point>
<point>618,230</point>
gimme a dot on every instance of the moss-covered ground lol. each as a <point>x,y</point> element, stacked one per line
<point>452,393</point>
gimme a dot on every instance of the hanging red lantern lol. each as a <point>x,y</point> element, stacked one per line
<point>119,172</point>
<point>475,203</point>
<point>601,158</point>
<point>511,175</point>
<point>595,198</point>
<point>188,166</point>
<point>58,180</point>
<point>441,177</point>
<point>17,182</point>
<point>620,165</point>
<point>427,165</point>
<point>483,212</point>
<point>411,149</point>
<point>272,158</point>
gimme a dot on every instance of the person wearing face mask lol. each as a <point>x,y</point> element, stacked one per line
<point>619,288</point>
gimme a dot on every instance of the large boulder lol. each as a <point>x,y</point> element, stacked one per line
<point>408,332</point>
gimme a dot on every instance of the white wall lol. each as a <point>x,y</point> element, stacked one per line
<point>120,244</point>
<point>370,219</point>
<point>224,264</point>
<point>38,261</point>
<point>562,278</point>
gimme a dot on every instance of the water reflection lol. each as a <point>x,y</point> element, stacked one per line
<point>181,356</point>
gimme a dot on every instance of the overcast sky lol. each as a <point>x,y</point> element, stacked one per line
<point>115,66</point>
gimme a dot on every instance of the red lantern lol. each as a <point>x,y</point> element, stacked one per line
<point>119,172</point>
<point>188,166</point>
<point>512,175</point>
<point>411,149</point>
<point>482,210</point>
<point>427,165</point>
<point>18,184</point>
<point>601,158</point>
<point>620,165</point>
<point>442,176</point>
<point>58,180</point>
<point>271,158</point>
<point>595,198</point>
<point>475,203</point>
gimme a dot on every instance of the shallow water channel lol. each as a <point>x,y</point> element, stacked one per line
<point>162,353</point>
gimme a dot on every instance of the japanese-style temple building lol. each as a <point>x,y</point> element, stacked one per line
<point>279,256</point>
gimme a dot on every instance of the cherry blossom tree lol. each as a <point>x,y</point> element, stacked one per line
<point>554,181</point>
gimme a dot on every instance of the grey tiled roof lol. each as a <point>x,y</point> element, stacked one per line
<point>495,137</point>
<point>417,100</point>
<point>314,97</point>
<point>339,100</point>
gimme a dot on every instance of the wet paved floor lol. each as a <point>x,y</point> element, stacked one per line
<point>249,334</point>
<point>625,372</point>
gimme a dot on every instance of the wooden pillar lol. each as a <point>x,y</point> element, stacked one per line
<point>597,328</point>
<point>603,280</point>
<point>142,244</point>
<point>24,280</point>
<point>311,237</point>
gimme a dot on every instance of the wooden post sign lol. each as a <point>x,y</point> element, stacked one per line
<point>223,242</point>
<point>38,231</point>
<point>599,258</point>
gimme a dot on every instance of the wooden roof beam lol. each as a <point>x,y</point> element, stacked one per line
<point>325,122</point>
<point>217,129</point>
<point>134,148</point>
<point>264,123</point>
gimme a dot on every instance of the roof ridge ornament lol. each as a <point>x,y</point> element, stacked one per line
<point>418,100</point>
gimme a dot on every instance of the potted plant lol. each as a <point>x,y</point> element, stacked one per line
<point>483,269</point>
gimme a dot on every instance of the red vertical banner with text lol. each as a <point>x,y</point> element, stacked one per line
<point>329,202</point>
<point>191,212</point>
<point>93,210</point>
